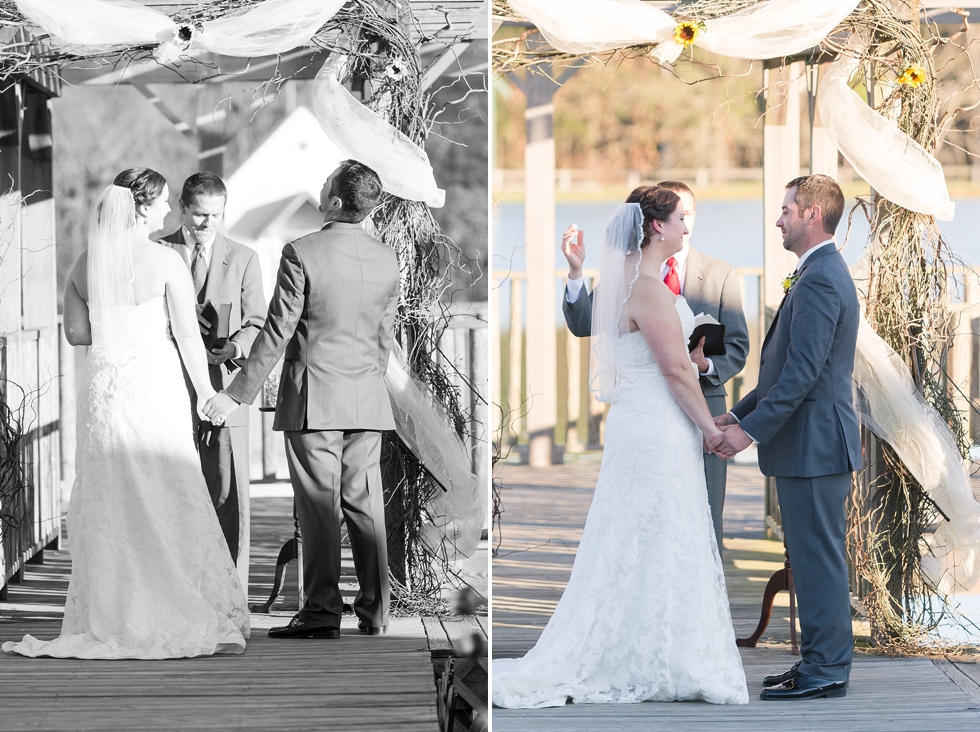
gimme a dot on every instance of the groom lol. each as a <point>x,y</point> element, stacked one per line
<point>332,315</point>
<point>711,287</point>
<point>802,417</point>
<point>223,271</point>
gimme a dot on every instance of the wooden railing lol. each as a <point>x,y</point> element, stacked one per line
<point>580,419</point>
<point>29,385</point>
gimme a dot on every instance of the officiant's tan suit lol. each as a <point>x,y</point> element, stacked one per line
<point>233,277</point>
<point>332,319</point>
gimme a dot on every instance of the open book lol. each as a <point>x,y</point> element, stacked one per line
<point>713,333</point>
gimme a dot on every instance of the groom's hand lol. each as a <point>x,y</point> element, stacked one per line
<point>724,419</point>
<point>735,440</point>
<point>219,407</point>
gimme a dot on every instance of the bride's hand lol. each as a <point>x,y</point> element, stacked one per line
<point>713,442</point>
<point>202,402</point>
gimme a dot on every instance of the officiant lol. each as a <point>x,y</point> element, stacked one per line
<point>231,311</point>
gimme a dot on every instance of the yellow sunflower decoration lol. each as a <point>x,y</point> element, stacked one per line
<point>687,31</point>
<point>913,76</point>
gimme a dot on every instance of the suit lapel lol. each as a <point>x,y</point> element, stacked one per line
<point>220,256</point>
<point>822,252</point>
<point>694,280</point>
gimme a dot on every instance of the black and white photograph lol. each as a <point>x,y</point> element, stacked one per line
<point>244,349</point>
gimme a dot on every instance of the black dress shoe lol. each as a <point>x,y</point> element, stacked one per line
<point>802,686</point>
<point>299,629</point>
<point>363,627</point>
<point>777,679</point>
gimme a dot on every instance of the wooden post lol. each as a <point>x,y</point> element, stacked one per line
<point>480,411</point>
<point>496,406</point>
<point>539,216</point>
<point>780,164</point>
<point>573,357</point>
<point>515,401</point>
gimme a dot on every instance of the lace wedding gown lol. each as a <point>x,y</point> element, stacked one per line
<point>151,573</point>
<point>645,615</point>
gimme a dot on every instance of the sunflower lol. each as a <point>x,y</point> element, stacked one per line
<point>788,283</point>
<point>913,76</point>
<point>686,31</point>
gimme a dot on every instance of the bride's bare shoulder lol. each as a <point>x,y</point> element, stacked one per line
<point>157,254</point>
<point>653,290</point>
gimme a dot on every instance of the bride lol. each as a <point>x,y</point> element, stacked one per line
<point>645,615</point>
<point>151,575</point>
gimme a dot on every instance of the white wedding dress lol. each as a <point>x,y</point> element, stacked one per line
<point>151,573</point>
<point>645,615</point>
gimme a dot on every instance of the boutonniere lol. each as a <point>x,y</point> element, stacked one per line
<point>789,282</point>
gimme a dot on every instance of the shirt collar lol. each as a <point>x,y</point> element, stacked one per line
<point>808,252</point>
<point>680,257</point>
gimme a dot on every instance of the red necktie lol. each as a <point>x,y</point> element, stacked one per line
<point>672,281</point>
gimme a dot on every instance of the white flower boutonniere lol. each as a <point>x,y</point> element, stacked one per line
<point>789,282</point>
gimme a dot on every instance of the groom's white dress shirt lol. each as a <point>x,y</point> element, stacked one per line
<point>207,248</point>
<point>573,288</point>
<point>799,266</point>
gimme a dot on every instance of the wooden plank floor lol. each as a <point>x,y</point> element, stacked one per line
<point>545,510</point>
<point>356,683</point>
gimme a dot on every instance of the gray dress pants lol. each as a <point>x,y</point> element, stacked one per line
<point>333,471</point>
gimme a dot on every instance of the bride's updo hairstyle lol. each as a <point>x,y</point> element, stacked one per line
<point>145,184</point>
<point>657,204</point>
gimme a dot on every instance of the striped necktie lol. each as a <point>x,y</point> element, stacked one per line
<point>199,270</point>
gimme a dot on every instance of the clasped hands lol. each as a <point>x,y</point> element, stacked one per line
<point>218,407</point>
<point>730,441</point>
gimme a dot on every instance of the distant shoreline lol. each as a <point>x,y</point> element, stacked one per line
<point>748,190</point>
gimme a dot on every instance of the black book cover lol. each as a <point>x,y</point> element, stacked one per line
<point>218,317</point>
<point>713,333</point>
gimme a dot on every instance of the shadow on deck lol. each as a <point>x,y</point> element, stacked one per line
<point>356,683</point>
<point>545,510</point>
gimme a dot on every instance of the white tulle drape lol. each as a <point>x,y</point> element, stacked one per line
<point>591,26</point>
<point>890,406</point>
<point>771,29</point>
<point>897,413</point>
<point>110,269</point>
<point>271,27</point>
<point>775,28</point>
<point>456,515</point>
<point>362,135</point>
<point>894,164</point>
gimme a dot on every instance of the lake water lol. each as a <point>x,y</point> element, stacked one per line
<point>730,230</point>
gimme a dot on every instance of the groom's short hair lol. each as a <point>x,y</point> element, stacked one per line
<point>358,188</point>
<point>204,183</point>
<point>679,186</point>
<point>823,191</point>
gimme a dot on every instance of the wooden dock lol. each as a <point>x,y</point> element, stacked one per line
<point>545,510</point>
<point>356,683</point>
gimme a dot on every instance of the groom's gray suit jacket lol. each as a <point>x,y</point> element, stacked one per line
<point>802,411</point>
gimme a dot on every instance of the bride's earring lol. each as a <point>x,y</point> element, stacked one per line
<point>661,237</point>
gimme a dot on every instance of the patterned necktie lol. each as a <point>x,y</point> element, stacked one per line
<point>199,269</point>
<point>672,281</point>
